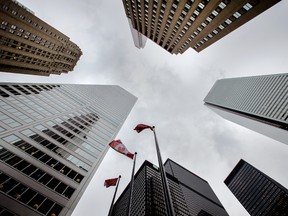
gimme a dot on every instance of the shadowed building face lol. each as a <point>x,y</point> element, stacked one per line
<point>257,192</point>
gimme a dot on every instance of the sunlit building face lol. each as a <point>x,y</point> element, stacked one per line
<point>53,139</point>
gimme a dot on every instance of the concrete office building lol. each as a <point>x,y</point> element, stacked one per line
<point>53,138</point>
<point>257,102</point>
<point>191,195</point>
<point>177,25</point>
<point>28,45</point>
<point>257,192</point>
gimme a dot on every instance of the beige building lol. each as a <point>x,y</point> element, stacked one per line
<point>177,25</point>
<point>28,45</point>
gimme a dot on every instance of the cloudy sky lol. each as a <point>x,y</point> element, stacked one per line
<point>170,91</point>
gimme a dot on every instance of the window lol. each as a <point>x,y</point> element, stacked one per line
<point>236,15</point>
<point>228,21</point>
<point>32,171</point>
<point>27,196</point>
<point>247,6</point>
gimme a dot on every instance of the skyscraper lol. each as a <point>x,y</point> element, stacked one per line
<point>257,192</point>
<point>28,45</point>
<point>258,103</point>
<point>190,194</point>
<point>53,138</point>
<point>177,25</point>
<point>200,198</point>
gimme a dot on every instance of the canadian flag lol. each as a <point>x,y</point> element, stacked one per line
<point>141,127</point>
<point>117,145</point>
<point>110,182</point>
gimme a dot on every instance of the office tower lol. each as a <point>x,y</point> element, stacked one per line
<point>53,138</point>
<point>258,103</point>
<point>177,25</point>
<point>257,192</point>
<point>199,196</point>
<point>28,45</point>
<point>189,198</point>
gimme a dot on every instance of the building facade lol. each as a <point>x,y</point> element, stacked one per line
<point>148,197</point>
<point>28,45</point>
<point>200,198</point>
<point>52,140</point>
<point>177,25</point>
<point>257,192</point>
<point>258,103</point>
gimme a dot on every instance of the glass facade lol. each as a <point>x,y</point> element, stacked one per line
<point>53,138</point>
<point>199,196</point>
<point>258,103</point>
<point>190,194</point>
<point>258,193</point>
<point>148,196</point>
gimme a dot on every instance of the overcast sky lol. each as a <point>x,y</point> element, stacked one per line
<point>170,91</point>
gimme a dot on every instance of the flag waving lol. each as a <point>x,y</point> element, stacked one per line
<point>110,182</point>
<point>141,127</point>
<point>117,145</point>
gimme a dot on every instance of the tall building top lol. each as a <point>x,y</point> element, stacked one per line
<point>53,138</point>
<point>31,46</point>
<point>21,5</point>
<point>191,180</point>
<point>191,195</point>
<point>255,102</point>
<point>258,193</point>
<point>177,25</point>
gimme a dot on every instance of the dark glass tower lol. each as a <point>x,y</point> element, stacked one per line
<point>257,192</point>
<point>257,102</point>
<point>199,196</point>
<point>194,198</point>
<point>52,140</point>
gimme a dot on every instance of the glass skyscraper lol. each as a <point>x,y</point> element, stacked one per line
<point>257,192</point>
<point>257,102</point>
<point>53,138</point>
<point>200,198</point>
<point>191,195</point>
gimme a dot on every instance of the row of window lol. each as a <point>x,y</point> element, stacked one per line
<point>43,157</point>
<point>6,212</point>
<point>15,112</point>
<point>64,63</point>
<point>84,121</point>
<point>35,173</point>
<point>48,160</point>
<point>27,196</point>
<point>33,23</point>
<point>31,49</point>
<point>13,29</point>
<point>227,22</point>
<point>81,141</point>
<point>204,24</point>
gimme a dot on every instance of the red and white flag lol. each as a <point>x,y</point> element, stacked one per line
<point>141,127</point>
<point>110,182</point>
<point>117,145</point>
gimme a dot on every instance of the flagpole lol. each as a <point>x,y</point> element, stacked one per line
<point>111,207</point>
<point>167,195</point>
<point>131,187</point>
